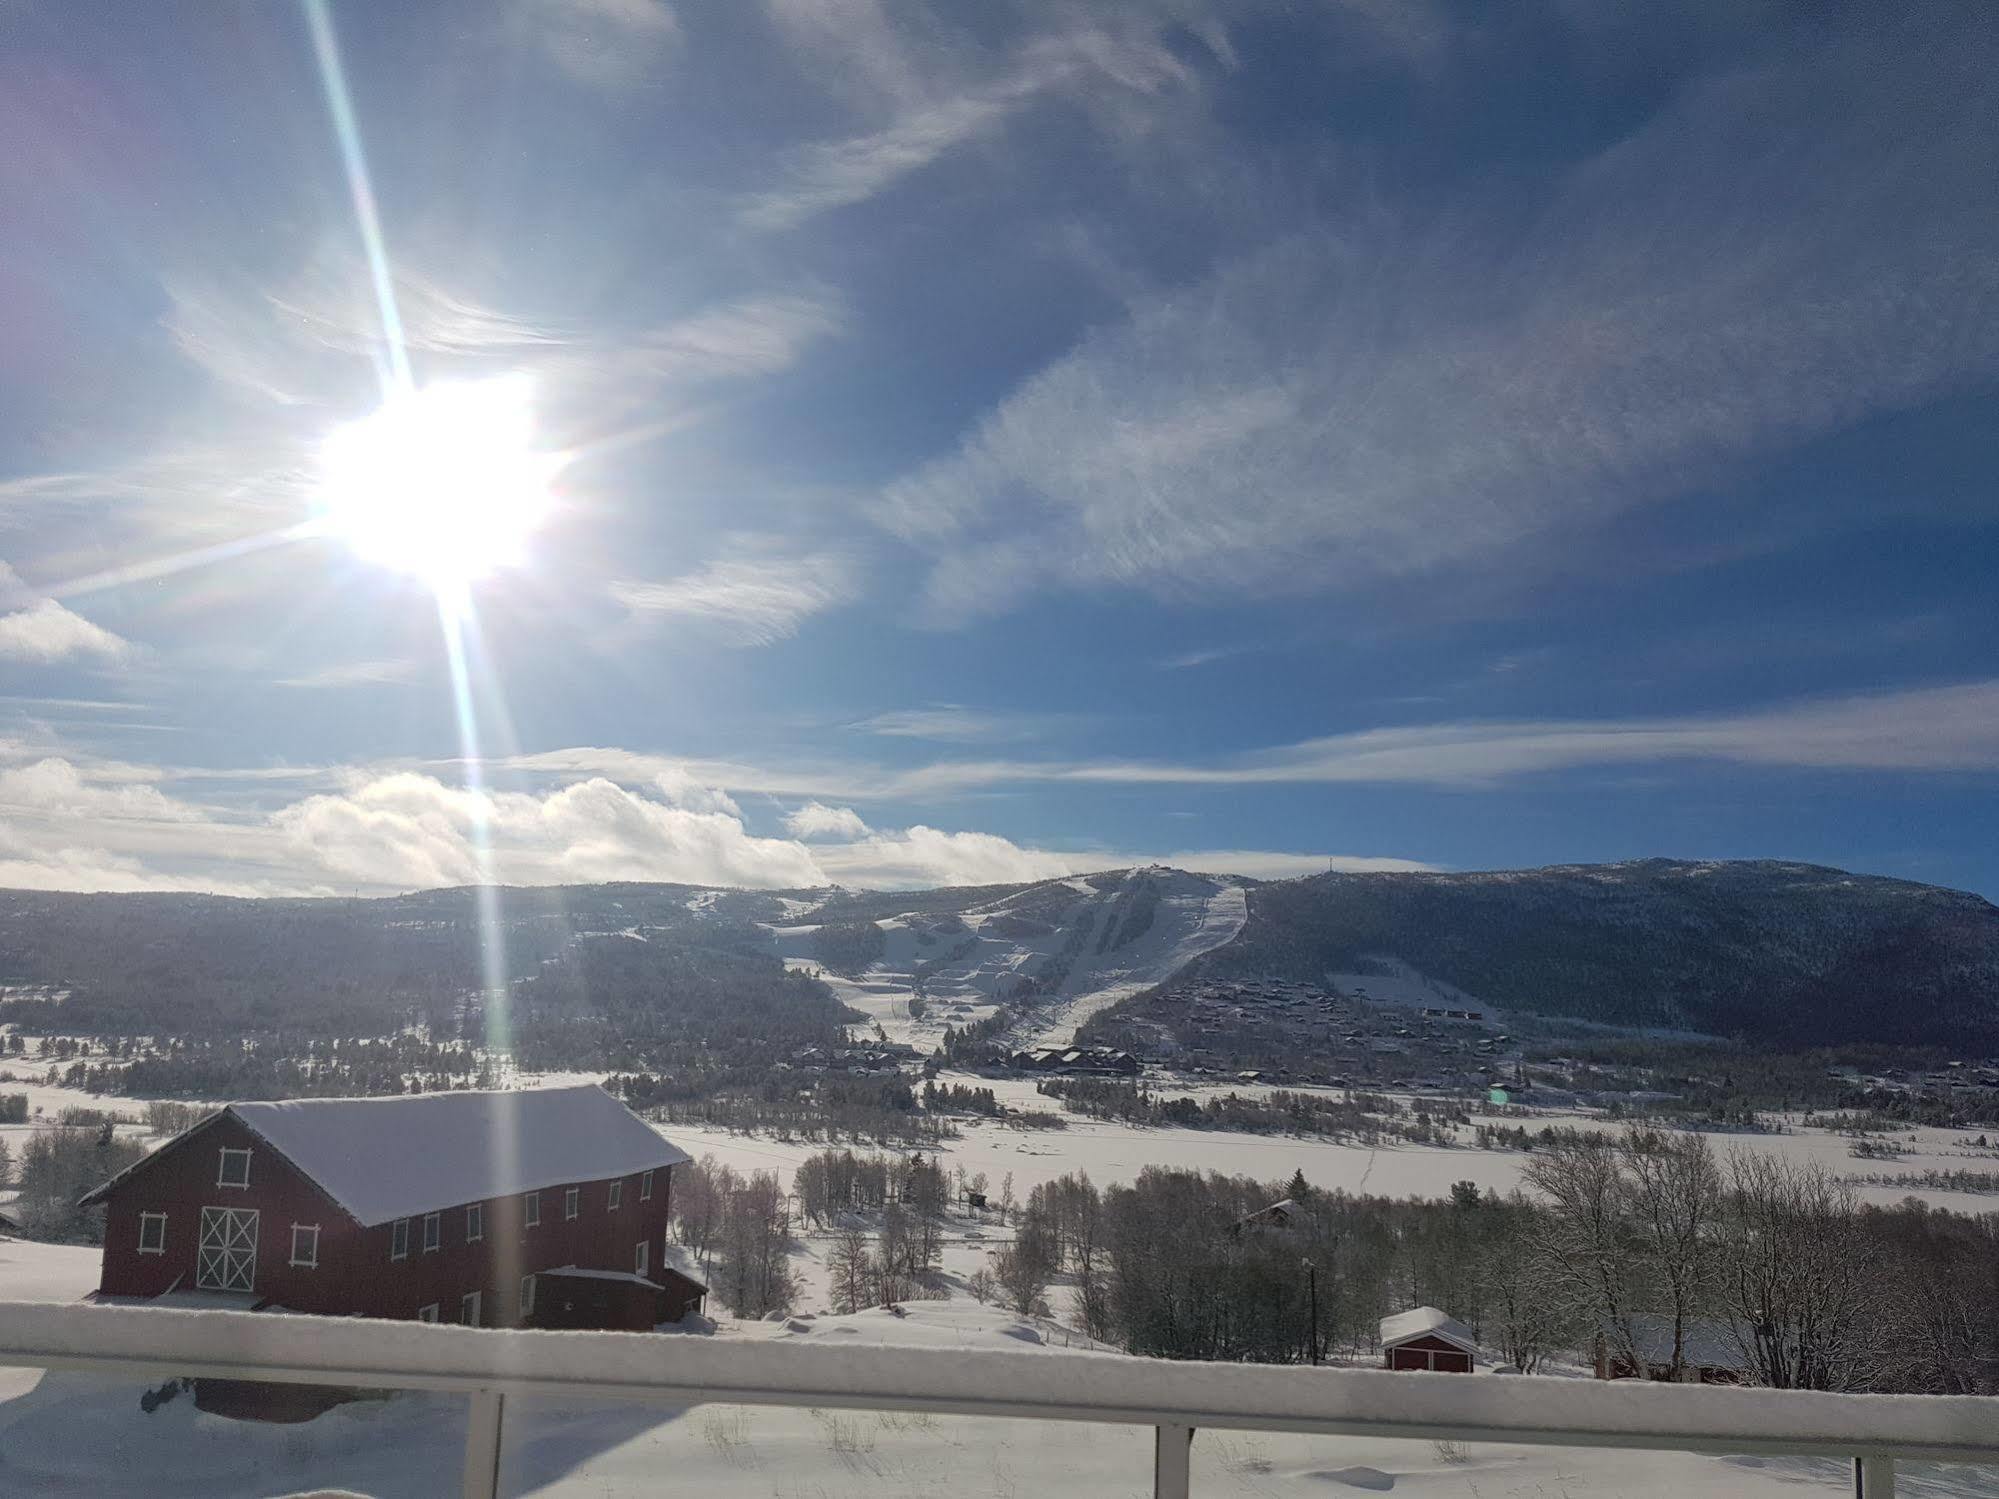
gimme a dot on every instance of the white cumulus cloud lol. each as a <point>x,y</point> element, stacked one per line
<point>45,632</point>
<point>817,820</point>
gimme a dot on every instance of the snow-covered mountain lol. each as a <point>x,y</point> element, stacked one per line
<point>1779,953</point>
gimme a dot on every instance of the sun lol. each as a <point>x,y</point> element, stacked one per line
<point>443,482</point>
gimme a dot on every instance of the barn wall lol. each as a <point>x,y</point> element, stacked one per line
<point>355,1272</point>
<point>181,1180</point>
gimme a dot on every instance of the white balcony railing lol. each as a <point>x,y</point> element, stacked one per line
<point>1176,1399</point>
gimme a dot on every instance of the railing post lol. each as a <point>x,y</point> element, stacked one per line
<point>1874,1478</point>
<point>1172,1458</point>
<point>482,1444</point>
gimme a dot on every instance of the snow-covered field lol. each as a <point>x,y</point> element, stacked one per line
<point>1195,914</point>
<point>1113,1153</point>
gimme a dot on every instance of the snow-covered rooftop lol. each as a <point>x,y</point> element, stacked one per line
<point>625,1277</point>
<point>1704,1343</point>
<point>1426,1322</point>
<point>388,1158</point>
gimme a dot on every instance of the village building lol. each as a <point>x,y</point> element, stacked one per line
<point>1711,1351</point>
<point>545,1207</point>
<point>1424,1338</point>
<point>1277,1215</point>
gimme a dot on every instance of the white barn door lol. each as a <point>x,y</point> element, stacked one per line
<point>228,1250</point>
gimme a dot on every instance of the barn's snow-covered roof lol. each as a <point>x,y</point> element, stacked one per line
<point>388,1158</point>
<point>1426,1322</point>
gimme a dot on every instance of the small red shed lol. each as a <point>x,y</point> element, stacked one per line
<point>1424,1338</point>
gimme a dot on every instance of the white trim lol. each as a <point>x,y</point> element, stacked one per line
<point>645,1186</point>
<point>400,1229</point>
<point>526,1303</point>
<point>222,1167</point>
<point>614,1198</point>
<point>642,1257</point>
<point>161,1219</point>
<point>433,1232</point>
<point>427,1313</point>
<point>473,1300</point>
<point>307,1264</point>
<point>572,1203</point>
<point>531,1209</point>
<point>475,1210</point>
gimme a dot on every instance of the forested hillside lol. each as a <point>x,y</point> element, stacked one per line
<point>606,976</point>
<point>1788,954</point>
<point>1785,954</point>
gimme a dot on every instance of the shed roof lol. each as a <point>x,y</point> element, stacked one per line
<point>388,1158</point>
<point>1426,1322</point>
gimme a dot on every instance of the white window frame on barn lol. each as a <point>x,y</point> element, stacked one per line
<point>433,1232</point>
<point>527,1297</point>
<point>572,1201</point>
<point>427,1313</point>
<point>642,1259</point>
<point>532,1216</point>
<point>468,1308</point>
<point>146,1221</point>
<point>475,1222</point>
<point>615,1197</point>
<point>222,1178</point>
<point>310,1259</point>
<point>645,1187</point>
<point>399,1239</point>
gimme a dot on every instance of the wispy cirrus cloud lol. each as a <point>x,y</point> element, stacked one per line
<point>748,599</point>
<point>607,44</point>
<point>932,120</point>
<point>1464,384</point>
<point>353,674</point>
<point>954,723</point>
<point>1929,730</point>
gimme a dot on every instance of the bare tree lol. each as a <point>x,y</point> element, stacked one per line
<point>1675,1203</point>
<point>1024,1267</point>
<point>1801,1280</point>
<point>852,1269</point>
<point>754,1275</point>
<point>699,1190</point>
<point>1584,1250</point>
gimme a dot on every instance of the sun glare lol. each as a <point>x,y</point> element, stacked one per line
<point>444,482</point>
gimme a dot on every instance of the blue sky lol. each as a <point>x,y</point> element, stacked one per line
<point>1005,440</point>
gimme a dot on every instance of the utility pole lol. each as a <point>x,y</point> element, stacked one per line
<point>1312,1333</point>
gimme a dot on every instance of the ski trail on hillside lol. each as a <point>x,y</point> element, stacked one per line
<point>1196,915</point>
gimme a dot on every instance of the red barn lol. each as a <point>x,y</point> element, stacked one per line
<point>1425,1338</point>
<point>439,1207</point>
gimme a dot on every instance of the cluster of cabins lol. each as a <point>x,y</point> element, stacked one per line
<point>1100,1061</point>
<point>880,1056</point>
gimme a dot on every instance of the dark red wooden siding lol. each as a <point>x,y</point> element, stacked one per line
<point>355,1274</point>
<point>1428,1352</point>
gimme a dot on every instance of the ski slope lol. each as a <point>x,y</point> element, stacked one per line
<point>967,959</point>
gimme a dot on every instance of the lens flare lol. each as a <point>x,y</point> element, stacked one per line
<point>444,482</point>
